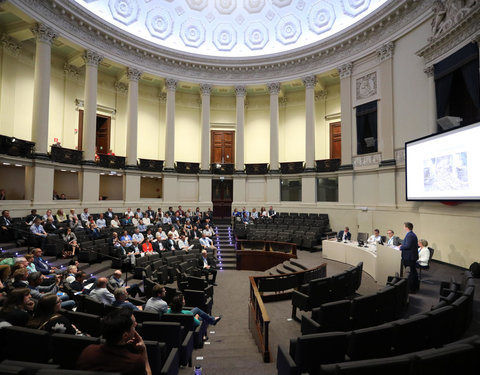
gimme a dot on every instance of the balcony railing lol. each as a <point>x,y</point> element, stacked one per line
<point>187,167</point>
<point>150,165</point>
<point>328,165</point>
<point>259,168</point>
<point>65,155</point>
<point>111,161</point>
<point>16,147</point>
<point>222,168</point>
<point>292,167</point>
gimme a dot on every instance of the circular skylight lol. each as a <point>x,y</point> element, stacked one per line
<point>232,28</point>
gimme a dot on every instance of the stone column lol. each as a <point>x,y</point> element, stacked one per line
<point>92,59</point>
<point>385,105</point>
<point>205,91</point>
<point>41,87</point>
<point>170,131</point>
<point>274,90</point>
<point>345,72</point>
<point>310,83</point>
<point>133,76</point>
<point>240,92</point>
<point>432,102</point>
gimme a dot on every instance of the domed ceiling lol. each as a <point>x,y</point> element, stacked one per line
<point>232,28</point>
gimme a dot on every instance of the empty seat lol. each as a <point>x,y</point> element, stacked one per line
<point>364,311</point>
<point>370,343</point>
<point>67,348</point>
<point>25,340</point>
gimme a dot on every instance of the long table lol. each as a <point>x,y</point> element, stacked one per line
<point>379,261</point>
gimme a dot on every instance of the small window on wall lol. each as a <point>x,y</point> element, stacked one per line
<point>151,187</point>
<point>12,181</point>
<point>367,128</point>
<point>327,189</point>
<point>111,186</point>
<point>291,190</point>
<point>65,184</point>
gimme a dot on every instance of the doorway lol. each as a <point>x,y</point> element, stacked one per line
<point>335,140</point>
<point>102,138</point>
<point>222,196</point>
<point>222,147</point>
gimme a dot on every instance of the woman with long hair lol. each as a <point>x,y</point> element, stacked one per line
<point>71,244</point>
<point>18,307</point>
<point>48,318</point>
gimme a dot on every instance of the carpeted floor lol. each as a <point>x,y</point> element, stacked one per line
<point>231,349</point>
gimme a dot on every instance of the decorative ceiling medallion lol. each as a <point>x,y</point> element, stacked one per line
<point>124,11</point>
<point>193,33</point>
<point>159,23</point>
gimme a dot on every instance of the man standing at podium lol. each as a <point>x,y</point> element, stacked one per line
<point>410,255</point>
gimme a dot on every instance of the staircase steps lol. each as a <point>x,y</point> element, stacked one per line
<point>225,243</point>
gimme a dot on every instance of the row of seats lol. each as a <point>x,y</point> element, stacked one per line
<point>327,289</point>
<point>37,346</point>
<point>361,312</point>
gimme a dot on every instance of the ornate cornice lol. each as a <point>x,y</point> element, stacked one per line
<point>392,21</point>
<point>429,71</point>
<point>309,82</point>
<point>385,52</point>
<point>133,74</point>
<point>345,70</point>
<point>71,71</point>
<point>370,160</point>
<point>91,58</point>
<point>274,88</point>
<point>171,84</point>
<point>121,88</point>
<point>43,33</point>
<point>240,91</point>
<point>12,46</point>
<point>205,89</point>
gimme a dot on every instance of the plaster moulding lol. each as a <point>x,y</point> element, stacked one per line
<point>72,22</point>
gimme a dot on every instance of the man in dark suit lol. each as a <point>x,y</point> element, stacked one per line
<point>207,265</point>
<point>344,235</point>
<point>6,227</point>
<point>409,250</point>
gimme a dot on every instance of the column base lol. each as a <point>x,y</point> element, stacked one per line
<point>274,171</point>
<point>168,170</point>
<point>131,167</point>
<point>310,169</point>
<point>41,155</point>
<point>240,172</point>
<point>89,162</point>
<point>388,163</point>
<point>346,167</point>
<point>204,171</point>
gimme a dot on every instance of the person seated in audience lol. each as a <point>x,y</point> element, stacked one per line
<point>80,282</point>
<point>194,234</point>
<point>84,216</point>
<point>176,222</point>
<point>156,303</point>
<point>31,218</point>
<point>18,307</point>
<point>127,220</point>
<point>149,213</point>
<point>208,231</point>
<point>7,233</point>
<point>141,225</point>
<point>183,243</point>
<point>263,212</point>
<point>47,317</point>
<point>124,350</point>
<point>392,240</point>
<point>61,217</point>
<point>187,226</point>
<point>50,226</point>
<point>170,242</point>
<point>72,214</point>
<point>423,253</point>
<point>207,266</point>
<point>197,215</point>
<point>159,216</point>
<point>188,214</point>
<point>149,235</point>
<point>75,224</point>
<point>245,211</point>
<point>207,243</point>
<point>163,235</point>
<point>166,219</point>
<point>115,223</point>
<point>70,275</point>
<point>108,215</point>
<point>37,290</point>
<point>208,215</point>
<point>178,303</point>
<point>147,246</point>
<point>30,266</point>
<point>101,222</point>
<point>121,300</point>
<point>245,218</point>
<point>254,214</point>
<point>157,243</point>
<point>101,293</point>
<point>127,238</point>
<point>129,213</point>
<point>116,281</point>
<point>20,277</point>
<point>135,220</point>
<point>93,232</point>
<point>39,233</point>
<point>48,214</point>
<point>180,212</point>
<point>173,231</point>
<point>137,236</point>
<point>40,264</point>
<point>62,197</point>
<point>136,248</point>
<point>271,212</point>
<point>375,237</point>
<point>139,213</point>
<point>344,235</point>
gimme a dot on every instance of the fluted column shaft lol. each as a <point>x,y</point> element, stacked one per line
<point>92,59</point>
<point>205,91</point>
<point>170,130</point>
<point>309,83</point>
<point>133,76</point>
<point>240,92</point>
<point>274,89</point>
<point>345,72</point>
<point>41,87</point>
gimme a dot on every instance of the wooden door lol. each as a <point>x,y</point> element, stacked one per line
<point>335,140</point>
<point>222,196</point>
<point>102,138</point>
<point>222,147</point>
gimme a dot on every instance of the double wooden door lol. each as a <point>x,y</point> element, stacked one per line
<point>222,147</point>
<point>222,196</point>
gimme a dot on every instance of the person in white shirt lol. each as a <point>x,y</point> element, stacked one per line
<point>129,212</point>
<point>115,223</point>
<point>183,243</point>
<point>375,237</point>
<point>423,253</point>
<point>392,240</point>
<point>101,222</point>
<point>208,231</point>
<point>174,233</point>
<point>137,236</point>
<point>139,213</point>
<point>166,219</point>
<point>207,243</point>
<point>160,233</point>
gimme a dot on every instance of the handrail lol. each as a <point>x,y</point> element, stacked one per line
<point>258,319</point>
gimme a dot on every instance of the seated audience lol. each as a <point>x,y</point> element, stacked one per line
<point>71,245</point>
<point>124,350</point>
<point>178,303</point>
<point>50,226</point>
<point>61,217</point>
<point>115,223</point>
<point>271,213</point>
<point>423,253</point>
<point>156,303</point>
<point>47,317</point>
<point>137,236</point>
<point>31,218</point>
<point>183,243</point>
<point>207,243</point>
<point>38,291</point>
<point>39,233</point>
<point>207,266</point>
<point>121,299</point>
<point>84,216</point>
<point>147,246</point>
<point>101,222</point>
<point>129,213</point>
<point>254,214</point>
<point>116,281</point>
<point>41,265</point>
<point>75,223</point>
<point>18,307</point>
<point>7,233</point>
<point>93,232</point>
<point>101,293</point>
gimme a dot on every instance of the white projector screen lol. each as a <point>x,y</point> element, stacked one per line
<point>444,167</point>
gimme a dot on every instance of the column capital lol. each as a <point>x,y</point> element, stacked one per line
<point>345,70</point>
<point>429,71</point>
<point>171,84</point>
<point>162,96</point>
<point>44,33</point>
<point>309,81</point>
<point>133,74</point>
<point>91,58</point>
<point>274,88</point>
<point>71,71</point>
<point>12,46</point>
<point>205,89</point>
<point>321,95</point>
<point>121,88</point>
<point>283,101</point>
<point>385,52</point>
<point>240,91</point>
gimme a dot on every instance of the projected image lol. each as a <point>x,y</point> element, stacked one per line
<point>444,173</point>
